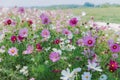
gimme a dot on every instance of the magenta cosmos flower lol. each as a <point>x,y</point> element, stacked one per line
<point>115,48</point>
<point>8,21</point>
<point>13,39</point>
<point>45,19</point>
<point>23,32</point>
<point>54,56</point>
<point>45,33</point>
<point>38,47</point>
<point>89,41</point>
<point>13,51</point>
<point>20,38</point>
<point>113,66</point>
<point>73,22</point>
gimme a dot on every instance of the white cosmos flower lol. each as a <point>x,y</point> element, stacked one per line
<point>86,76</point>
<point>70,36</point>
<point>67,75</point>
<point>103,77</point>
<point>57,50</point>
<point>47,49</point>
<point>93,65</point>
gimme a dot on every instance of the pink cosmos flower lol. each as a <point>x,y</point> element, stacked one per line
<point>21,10</point>
<point>54,56</point>
<point>45,33</point>
<point>66,32</point>
<point>8,21</point>
<point>13,51</point>
<point>73,22</point>
<point>23,32</point>
<point>89,41</point>
<point>113,66</point>
<point>115,48</point>
<point>13,39</point>
<point>80,42</point>
<point>45,19</point>
<point>29,49</point>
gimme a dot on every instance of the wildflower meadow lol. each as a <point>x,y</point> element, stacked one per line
<point>38,44</point>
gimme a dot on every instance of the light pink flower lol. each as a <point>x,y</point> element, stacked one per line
<point>23,32</point>
<point>13,51</point>
<point>29,49</point>
<point>45,33</point>
<point>54,56</point>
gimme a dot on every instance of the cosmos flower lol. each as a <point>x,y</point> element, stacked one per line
<point>73,22</point>
<point>21,10</point>
<point>8,21</point>
<point>94,66</point>
<point>66,32</point>
<point>56,41</point>
<point>32,79</point>
<point>23,32</point>
<point>86,76</point>
<point>57,50</point>
<point>13,51</point>
<point>89,41</point>
<point>113,65</point>
<point>38,47</point>
<point>30,22</point>
<point>67,75</point>
<point>45,19</point>
<point>20,38</point>
<point>13,39</point>
<point>29,49</point>
<point>103,77</point>
<point>45,33</point>
<point>80,42</point>
<point>115,48</point>
<point>54,56</point>
<point>2,49</point>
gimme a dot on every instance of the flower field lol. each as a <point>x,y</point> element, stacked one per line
<point>40,44</point>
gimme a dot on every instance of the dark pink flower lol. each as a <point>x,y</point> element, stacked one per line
<point>20,38</point>
<point>30,22</point>
<point>73,22</point>
<point>38,47</point>
<point>57,41</point>
<point>8,22</point>
<point>13,39</point>
<point>113,66</point>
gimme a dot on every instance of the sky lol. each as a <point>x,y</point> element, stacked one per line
<point>30,3</point>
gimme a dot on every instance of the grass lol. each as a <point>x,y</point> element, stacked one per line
<point>110,14</point>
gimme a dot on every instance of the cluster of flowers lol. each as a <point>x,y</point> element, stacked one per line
<point>60,44</point>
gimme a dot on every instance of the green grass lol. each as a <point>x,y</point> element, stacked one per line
<point>110,14</point>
